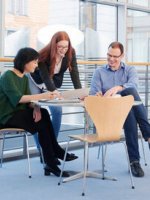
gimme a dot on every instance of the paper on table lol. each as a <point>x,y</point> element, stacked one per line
<point>75,94</point>
<point>69,96</point>
<point>57,101</point>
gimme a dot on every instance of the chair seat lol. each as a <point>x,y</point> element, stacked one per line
<point>92,138</point>
<point>8,131</point>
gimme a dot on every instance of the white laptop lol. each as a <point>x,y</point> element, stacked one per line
<point>75,94</point>
<point>70,96</point>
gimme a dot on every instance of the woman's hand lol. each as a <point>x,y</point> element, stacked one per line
<point>37,114</point>
<point>57,94</point>
<point>51,95</point>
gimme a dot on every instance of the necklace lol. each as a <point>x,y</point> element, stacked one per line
<point>58,59</point>
<point>57,65</point>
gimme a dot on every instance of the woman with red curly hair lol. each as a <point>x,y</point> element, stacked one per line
<point>55,59</point>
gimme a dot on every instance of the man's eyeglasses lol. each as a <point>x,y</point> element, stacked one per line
<point>112,56</point>
<point>62,47</point>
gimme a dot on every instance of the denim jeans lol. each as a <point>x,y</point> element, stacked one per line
<point>56,116</point>
<point>56,113</point>
<point>137,116</point>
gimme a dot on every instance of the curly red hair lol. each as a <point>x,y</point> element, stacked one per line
<point>48,53</point>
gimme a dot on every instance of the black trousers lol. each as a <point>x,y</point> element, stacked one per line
<point>50,147</point>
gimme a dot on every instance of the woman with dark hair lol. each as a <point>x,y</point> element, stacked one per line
<point>55,58</point>
<point>17,111</point>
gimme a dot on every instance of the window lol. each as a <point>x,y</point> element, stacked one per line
<point>140,2</point>
<point>138,31</point>
<point>17,7</point>
<point>99,29</point>
<point>106,28</point>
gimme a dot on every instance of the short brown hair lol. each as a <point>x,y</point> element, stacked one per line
<point>117,45</point>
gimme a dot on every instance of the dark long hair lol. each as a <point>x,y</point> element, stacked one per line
<point>48,53</point>
<point>24,56</point>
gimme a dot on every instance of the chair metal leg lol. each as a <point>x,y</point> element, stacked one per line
<point>142,145</point>
<point>86,155</point>
<point>103,152</point>
<point>103,162</point>
<point>99,149</point>
<point>2,149</point>
<point>42,157</point>
<point>131,177</point>
<point>85,166</point>
<point>63,164</point>
<point>27,146</point>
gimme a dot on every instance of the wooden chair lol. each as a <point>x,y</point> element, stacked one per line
<point>108,115</point>
<point>7,131</point>
<point>123,138</point>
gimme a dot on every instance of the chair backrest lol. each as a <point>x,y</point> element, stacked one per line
<point>108,114</point>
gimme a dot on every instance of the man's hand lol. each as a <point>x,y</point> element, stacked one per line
<point>37,114</point>
<point>99,94</point>
<point>113,91</point>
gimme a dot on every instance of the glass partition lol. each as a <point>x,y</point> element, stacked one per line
<point>24,19</point>
<point>98,29</point>
<point>145,3</point>
<point>138,36</point>
<point>106,28</point>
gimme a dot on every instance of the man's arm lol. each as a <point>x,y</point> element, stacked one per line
<point>132,78</point>
<point>96,85</point>
<point>132,81</point>
<point>113,91</point>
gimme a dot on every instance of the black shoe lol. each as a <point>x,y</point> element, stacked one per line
<point>71,157</point>
<point>136,169</point>
<point>54,170</point>
<point>57,162</point>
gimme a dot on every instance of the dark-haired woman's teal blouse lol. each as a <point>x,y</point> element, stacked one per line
<point>12,88</point>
